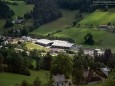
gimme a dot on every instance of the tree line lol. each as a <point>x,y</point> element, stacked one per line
<point>5,11</point>
<point>82,5</point>
<point>20,61</point>
<point>14,61</point>
<point>45,11</point>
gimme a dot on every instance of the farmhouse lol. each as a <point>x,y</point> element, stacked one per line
<point>44,42</point>
<point>59,80</point>
<point>103,72</point>
<point>26,38</point>
<point>95,76</point>
<point>88,51</point>
<point>62,44</point>
<point>99,51</point>
<point>17,21</point>
<point>55,43</point>
<point>103,27</point>
<point>91,52</point>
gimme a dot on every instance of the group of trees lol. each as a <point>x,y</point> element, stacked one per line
<point>12,61</point>
<point>29,1</point>
<point>45,11</point>
<point>8,23</point>
<point>17,32</point>
<point>5,11</point>
<point>36,82</point>
<point>108,58</point>
<point>88,39</point>
<point>83,5</point>
<point>19,61</point>
<point>63,64</point>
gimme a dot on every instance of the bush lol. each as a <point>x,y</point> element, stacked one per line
<point>8,24</point>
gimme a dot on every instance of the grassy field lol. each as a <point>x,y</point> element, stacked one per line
<point>107,38</point>
<point>61,23</point>
<point>9,79</point>
<point>31,46</point>
<point>99,17</point>
<point>21,8</point>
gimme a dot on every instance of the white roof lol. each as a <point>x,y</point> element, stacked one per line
<point>55,42</point>
<point>62,43</point>
<point>25,38</point>
<point>106,69</point>
<point>44,41</point>
<point>98,49</point>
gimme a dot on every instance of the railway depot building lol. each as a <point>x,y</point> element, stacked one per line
<point>44,42</point>
<point>55,43</point>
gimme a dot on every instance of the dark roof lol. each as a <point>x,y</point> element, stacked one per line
<point>105,71</point>
<point>103,26</point>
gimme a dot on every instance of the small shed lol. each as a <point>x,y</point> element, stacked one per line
<point>44,42</point>
<point>59,80</point>
<point>103,27</point>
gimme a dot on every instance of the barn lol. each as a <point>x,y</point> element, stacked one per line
<point>62,44</point>
<point>44,42</point>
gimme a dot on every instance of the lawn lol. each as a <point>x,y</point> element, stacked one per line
<point>99,17</point>
<point>31,46</point>
<point>61,23</point>
<point>10,79</point>
<point>77,34</point>
<point>21,8</point>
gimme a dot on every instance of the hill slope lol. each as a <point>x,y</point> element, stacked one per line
<point>99,17</point>
<point>77,34</point>
<point>103,39</point>
<point>21,8</point>
<point>61,23</point>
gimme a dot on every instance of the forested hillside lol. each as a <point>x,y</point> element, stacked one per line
<point>5,11</point>
<point>45,11</point>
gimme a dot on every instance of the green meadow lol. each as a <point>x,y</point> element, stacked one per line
<point>10,79</point>
<point>61,23</point>
<point>21,8</point>
<point>99,17</point>
<point>31,46</point>
<point>107,38</point>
